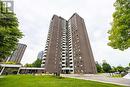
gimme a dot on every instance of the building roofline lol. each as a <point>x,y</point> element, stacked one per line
<point>22,44</point>
<point>58,17</point>
<point>54,16</point>
<point>74,15</point>
<point>65,19</point>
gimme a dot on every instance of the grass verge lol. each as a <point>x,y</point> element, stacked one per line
<point>48,81</point>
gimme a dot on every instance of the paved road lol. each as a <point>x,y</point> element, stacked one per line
<point>100,78</point>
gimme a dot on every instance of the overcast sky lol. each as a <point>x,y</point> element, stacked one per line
<point>34,18</point>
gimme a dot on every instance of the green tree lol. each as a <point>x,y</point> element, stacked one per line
<point>114,69</point>
<point>106,67</point>
<point>28,65</point>
<point>9,33</point>
<point>120,69</point>
<point>99,68</point>
<point>120,31</point>
<point>127,69</point>
<point>9,62</point>
<point>37,63</point>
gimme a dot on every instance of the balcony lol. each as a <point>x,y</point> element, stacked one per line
<point>71,64</point>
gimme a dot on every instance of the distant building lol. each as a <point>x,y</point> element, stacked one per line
<point>104,61</point>
<point>17,55</point>
<point>40,55</point>
<point>68,48</point>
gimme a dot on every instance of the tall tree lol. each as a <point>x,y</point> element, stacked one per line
<point>114,69</point>
<point>106,67</point>
<point>120,31</point>
<point>120,69</point>
<point>9,33</point>
<point>37,63</point>
<point>99,68</point>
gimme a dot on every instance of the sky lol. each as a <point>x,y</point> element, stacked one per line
<point>34,18</point>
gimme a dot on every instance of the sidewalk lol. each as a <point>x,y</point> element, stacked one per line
<point>100,78</point>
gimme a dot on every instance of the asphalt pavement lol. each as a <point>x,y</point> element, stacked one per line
<point>100,78</point>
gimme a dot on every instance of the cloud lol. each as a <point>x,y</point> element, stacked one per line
<point>34,17</point>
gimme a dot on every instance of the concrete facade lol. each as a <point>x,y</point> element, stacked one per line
<point>17,55</point>
<point>68,48</point>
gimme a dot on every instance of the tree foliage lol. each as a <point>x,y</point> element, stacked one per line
<point>28,65</point>
<point>106,67</point>
<point>9,33</point>
<point>37,63</point>
<point>114,69</point>
<point>99,68</point>
<point>120,69</point>
<point>120,31</point>
<point>9,62</point>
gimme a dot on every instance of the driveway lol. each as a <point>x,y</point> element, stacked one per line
<point>100,78</point>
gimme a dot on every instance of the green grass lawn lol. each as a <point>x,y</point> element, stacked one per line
<point>117,76</point>
<point>48,81</point>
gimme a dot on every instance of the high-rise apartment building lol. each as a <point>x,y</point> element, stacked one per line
<point>68,48</point>
<point>40,55</point>
<point>17,55</point>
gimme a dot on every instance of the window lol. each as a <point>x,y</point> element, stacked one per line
<point>70,53</point>
<point>71,67</point>
<point>71,70</point>
<point>63,56</point>
<point>63,52</point>
<point>70,59</point>
<point>63,62</point>
<point>63,59</point>
<point>70,56</point>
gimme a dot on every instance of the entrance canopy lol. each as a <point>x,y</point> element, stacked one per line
<point>10,65</point>
<point>31,68</point>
